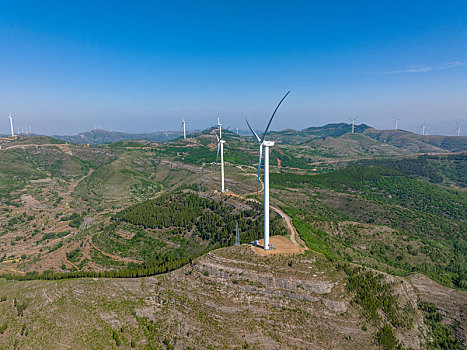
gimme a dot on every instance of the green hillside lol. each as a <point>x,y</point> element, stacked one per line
<point>419,143</point>
<point>181,225</point>
<point>427,221</point>
<point>335,130</point>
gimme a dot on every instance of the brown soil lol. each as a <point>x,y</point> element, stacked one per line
<point>282,245</point>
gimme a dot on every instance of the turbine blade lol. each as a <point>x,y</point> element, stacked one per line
<point>217,137</point>
<point>259,169</point>
<point>218,147</point>
<point>270,120</point>
<point>253,132</point>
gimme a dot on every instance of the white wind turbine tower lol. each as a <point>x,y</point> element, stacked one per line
<point>262,142</point>
<point>353,123</point>
<point>11,124</point>
<point>423,129</point>
<point>458,129</point>
<point>220,147</point>
<point>396,121</point>
<point>184,128</point>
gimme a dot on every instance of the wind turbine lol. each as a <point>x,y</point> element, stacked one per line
<point>184,128</point>
<point>11,124</point>
<point>262,142</point>
<point>353,123</point>
<point>458,129</point>
<point>423,128</point>
<point>396,121</point>
<point>220,147</point>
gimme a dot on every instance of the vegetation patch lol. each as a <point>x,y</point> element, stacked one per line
<point>442,335</point>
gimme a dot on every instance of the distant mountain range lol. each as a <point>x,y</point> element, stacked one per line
<point>329,130</point>
<point>98,136</point>
<point>400,139</point>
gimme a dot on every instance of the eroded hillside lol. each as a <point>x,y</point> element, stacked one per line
<point>229,298</point>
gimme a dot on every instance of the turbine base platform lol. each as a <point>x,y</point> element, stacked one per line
<point>280,245</point>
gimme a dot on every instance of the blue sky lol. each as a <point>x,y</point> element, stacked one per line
<point>143,66</point>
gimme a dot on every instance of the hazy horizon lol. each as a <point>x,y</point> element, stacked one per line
<point>144,67</point>
<point>442,128</point>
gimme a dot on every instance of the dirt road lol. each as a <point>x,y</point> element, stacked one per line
<point>294,237</point>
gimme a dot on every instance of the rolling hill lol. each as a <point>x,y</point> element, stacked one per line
<point>419,143</point>
<point>99,136</point>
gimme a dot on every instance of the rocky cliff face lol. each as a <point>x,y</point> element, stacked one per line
<point>229,298</point>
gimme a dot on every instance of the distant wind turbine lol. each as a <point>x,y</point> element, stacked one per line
<point>353,123</point>
<point>220,147</point>
<point>423,128</point>
<point>11,124</point>
<point>262,142</point>
<point>396,121</point>
<point>458,129</point>
<point>184,128</point>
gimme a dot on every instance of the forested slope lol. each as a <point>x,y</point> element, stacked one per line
<point>426,222</point>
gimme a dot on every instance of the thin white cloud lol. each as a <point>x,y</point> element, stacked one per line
<point>452,64</point>
<point>412,69</point>
<point>425,68</point>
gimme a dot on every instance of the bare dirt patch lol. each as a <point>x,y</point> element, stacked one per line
<point>282,245</point>
<point>30,202</point>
